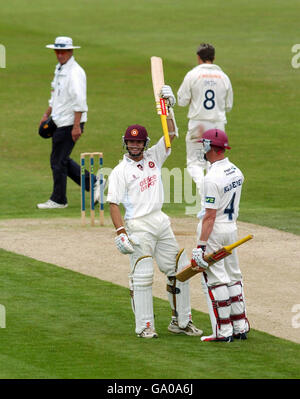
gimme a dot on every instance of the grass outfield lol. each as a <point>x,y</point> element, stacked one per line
<point>61,324</point>
<point>253,43</point>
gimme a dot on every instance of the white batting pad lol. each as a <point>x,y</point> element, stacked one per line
<point>238,308</point>
<point>219,296</point>
<point>212,317</point>
<point>141,284</point>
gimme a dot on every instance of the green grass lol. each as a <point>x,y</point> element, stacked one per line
<point>253,45</point>
<point>64,325</point>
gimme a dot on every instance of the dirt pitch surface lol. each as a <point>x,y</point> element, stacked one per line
<point>269,263</point>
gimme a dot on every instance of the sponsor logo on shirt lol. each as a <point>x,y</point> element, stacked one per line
<point>211,76</point>
<point>210,200</point>
<point>230,170</point>
<point>148,182</point>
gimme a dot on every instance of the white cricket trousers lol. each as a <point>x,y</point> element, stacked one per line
<point>227,270</point>
<point>222,284</point>
<point>156,240</point>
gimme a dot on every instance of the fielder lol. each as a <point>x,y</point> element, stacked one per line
<point>147,234</point>
<point>221,282</point>
<point>207,90</point>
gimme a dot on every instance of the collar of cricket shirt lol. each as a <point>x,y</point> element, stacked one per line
<point>62,68</point>
<point>210,66</point>
<point>133,162</point>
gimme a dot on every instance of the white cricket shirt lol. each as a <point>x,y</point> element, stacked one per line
<point>222,190</point>
<point>208,92</point>
<point>138,185</point>
<point>68,93</point>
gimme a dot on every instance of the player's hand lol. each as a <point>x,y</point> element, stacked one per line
<point>123,244</point>
<point>76,133</point>
<point>167,93</point>
<point>44,118</point>
<point>198,258</point>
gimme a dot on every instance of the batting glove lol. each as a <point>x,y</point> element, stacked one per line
<point>123,244</point>
<point>167,93</point>
<point>198,258</point>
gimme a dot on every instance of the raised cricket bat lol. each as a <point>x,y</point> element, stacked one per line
<point>157,73</point>
<point>212,258</point>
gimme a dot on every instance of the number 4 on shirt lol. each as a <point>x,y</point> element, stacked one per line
<point>230,208</point>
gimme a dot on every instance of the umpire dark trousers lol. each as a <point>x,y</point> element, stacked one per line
<point>62,165</point>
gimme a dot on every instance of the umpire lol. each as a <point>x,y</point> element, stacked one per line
<point>68,110</point>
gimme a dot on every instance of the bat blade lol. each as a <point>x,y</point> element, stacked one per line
<point>157,73</point>
<point>212,258</point>
<point>158,80</point>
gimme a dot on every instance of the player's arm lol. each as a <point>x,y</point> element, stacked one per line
<point>122,241</point>
<point>208,222</point>
<point>116,191</point>
<point>184,94</point>
<point>167,94</point>
<point>171,122</point>
<point>229,98</point>
<point>116,218</point>
<point>172,128</point>
<point>76,130</point>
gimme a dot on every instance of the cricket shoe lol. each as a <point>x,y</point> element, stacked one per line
<point>241,336</point>
<point>97,187</point>
<point>51,205</point>
<point>148,333</point>
<point>213,338</point>
<point>190,329</point>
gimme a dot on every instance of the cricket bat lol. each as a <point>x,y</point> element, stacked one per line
<point>212,258</point>
<point>157,73</point>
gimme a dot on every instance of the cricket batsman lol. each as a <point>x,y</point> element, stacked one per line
<point>145,234</point>
<point>222,282</point>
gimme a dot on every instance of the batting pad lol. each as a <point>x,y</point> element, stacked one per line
<point>219,296</point>
<point>179,292</point>
<point>142,301</point>
<point>238,308</point>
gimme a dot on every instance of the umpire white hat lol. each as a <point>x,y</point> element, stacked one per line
<point>62,43</point>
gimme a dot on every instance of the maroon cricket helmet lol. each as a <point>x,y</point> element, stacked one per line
<point>216,137</point>
<point>136,132</point>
